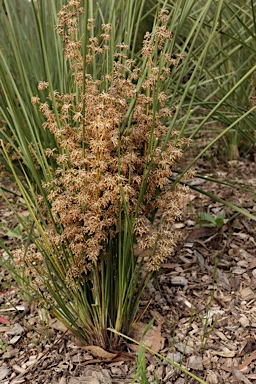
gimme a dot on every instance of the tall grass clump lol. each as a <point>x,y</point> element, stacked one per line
<point>92,148</point>
<point>104,219</point>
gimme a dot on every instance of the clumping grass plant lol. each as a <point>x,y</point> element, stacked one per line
<point>93,153</point>
<point>104,222</point>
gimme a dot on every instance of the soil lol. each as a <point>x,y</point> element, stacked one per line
<point>203,302</point>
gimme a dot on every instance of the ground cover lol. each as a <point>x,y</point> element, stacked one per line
<point>202,299</point>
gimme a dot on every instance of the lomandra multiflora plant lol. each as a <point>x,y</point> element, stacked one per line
<point>109,206</point>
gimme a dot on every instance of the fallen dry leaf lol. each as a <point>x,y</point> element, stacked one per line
<point>153,338</point>
<point>197,233</point>
<point>246,362</point>
<point>239,376</point>
<point>157,341</point>
<point>225,352</point>
<point>3,320</point>
<point>99,352</point>
<point>252,265</point>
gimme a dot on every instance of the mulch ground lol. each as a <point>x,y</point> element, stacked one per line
<point>203,301</point>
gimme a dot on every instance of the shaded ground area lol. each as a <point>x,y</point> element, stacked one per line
<point>203,301</point>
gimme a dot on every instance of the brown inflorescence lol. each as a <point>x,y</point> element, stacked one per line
<point>108,164</point>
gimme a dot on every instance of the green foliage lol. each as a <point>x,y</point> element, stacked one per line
<point>210,221</point>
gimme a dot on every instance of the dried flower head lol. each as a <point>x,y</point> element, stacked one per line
<point>42,85</point>
<point>110,165</point>
<point>35,100</point>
